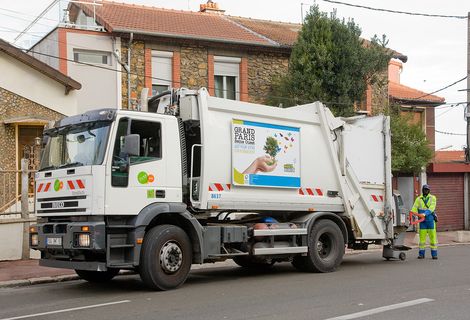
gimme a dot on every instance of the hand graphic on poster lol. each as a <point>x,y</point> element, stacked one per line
<point>264,164</point>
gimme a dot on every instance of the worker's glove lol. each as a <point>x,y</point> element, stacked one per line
<point>427,212</point>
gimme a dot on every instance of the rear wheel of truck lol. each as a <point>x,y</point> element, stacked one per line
<point>97,276</point>
<point>166,257</point>
<point>325,248</point>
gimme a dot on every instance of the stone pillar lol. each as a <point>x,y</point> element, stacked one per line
<point>194,67</point>
<point>137,72</point>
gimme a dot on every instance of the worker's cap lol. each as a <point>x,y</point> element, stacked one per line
<point>426,187</point>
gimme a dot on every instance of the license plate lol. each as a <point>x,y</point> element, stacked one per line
<point>54,241</point>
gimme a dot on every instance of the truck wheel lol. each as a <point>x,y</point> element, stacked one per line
<point>325,248</point>
<point>166,257</point>
<point>97,276</point>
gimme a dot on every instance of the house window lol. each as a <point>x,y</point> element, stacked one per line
<point>227,77</point>
<point>94,57</point>
<point>162,67</point>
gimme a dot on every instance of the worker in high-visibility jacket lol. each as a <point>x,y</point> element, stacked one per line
<point>424,207</point>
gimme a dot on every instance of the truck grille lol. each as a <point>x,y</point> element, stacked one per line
<point>60,204</point>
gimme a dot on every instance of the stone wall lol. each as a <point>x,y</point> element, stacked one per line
<point>14,106</point>
<point>194,70</point>
<point>194,67</point>
<point>137,72</point>
<point>380,100</point>
<point>262,68</point>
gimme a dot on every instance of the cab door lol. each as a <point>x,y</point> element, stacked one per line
<point>137,180</point>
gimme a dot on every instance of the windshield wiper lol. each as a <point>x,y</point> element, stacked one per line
<point>72,164</point>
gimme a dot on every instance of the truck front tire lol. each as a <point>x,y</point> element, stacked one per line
<point>97,276</point>
<point>325,248</point>
<point>166,257</point>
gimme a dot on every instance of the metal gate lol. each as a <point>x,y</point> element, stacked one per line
<point>11,183</point>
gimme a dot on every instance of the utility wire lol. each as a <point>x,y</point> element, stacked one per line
<point>27,20</point>
<point>396,11</point>
<point>450,133</point>
<point>26,15</point>
<point>295,100</point>
<point>448,86</point>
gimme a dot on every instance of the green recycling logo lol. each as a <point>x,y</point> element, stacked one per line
<point>58,185</point>
<point>144,177</point>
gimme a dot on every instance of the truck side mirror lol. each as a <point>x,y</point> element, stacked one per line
<point>131,145</point>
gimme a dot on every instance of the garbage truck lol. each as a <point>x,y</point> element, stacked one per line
<point>194,179</point>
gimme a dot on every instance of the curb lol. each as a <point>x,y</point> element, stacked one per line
<point>40,280</point>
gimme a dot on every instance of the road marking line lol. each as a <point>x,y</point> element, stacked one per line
<point>380,309</point>
<point>67,310</point>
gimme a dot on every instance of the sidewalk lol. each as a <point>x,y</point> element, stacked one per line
<point>27,272</point>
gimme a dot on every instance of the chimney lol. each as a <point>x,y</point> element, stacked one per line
<point>211,7</point>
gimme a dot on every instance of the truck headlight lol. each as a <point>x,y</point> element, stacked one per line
<point>82,240</point>
<point>34,239</point>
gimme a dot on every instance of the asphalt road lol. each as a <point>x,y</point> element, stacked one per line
<point>365,287</point>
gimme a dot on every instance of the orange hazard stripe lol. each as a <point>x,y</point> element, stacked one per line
<point>80,184</point>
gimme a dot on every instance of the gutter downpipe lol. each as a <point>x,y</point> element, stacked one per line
<point>129,72</point>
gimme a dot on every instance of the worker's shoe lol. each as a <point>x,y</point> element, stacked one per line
<point>420,257</point>
<point>434,258</point>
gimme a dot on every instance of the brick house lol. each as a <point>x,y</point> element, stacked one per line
<point>32,94</point>
<point>168,48</point>
<point>234,57</point>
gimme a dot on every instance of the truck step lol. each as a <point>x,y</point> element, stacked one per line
<point>114,246</point>
<point>228,255</point>
<point>120,264</point>
<point>279,232</point>
<point>280,250</point>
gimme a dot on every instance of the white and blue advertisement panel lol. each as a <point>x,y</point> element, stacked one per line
<point>265,154</point>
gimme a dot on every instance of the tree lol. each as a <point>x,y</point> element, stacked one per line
<point>271,147</point>
<point>330,63</point>
<point>410,150</point>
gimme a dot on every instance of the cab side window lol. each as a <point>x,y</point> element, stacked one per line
<point>150,140</point>
<point>150,148</point>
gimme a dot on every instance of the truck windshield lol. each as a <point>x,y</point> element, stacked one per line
<point>75,145</point>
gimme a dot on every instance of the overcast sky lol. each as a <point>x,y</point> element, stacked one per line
<point>436,47</point>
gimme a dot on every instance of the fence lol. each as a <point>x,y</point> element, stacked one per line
<point>16,208</point>
<point>11,191</point>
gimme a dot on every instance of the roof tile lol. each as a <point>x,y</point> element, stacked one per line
<point>124,17</point>
<point>448,156</point>
<point>282,32</point>
<point>402,92</point>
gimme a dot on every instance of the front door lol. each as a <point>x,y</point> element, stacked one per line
<point>29,138</point>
